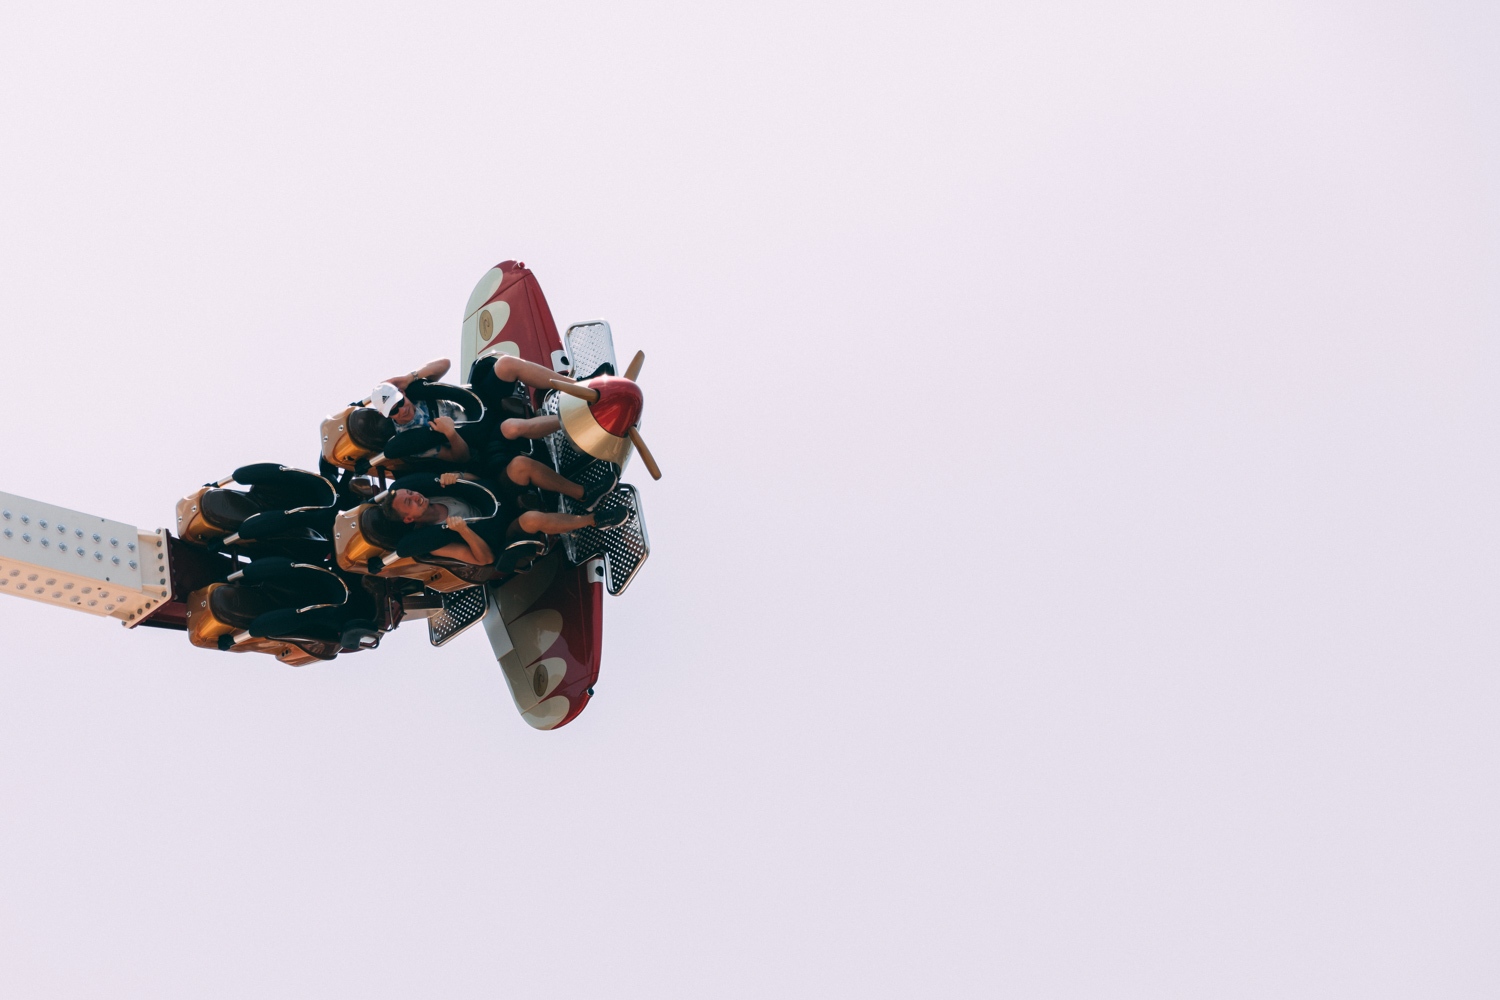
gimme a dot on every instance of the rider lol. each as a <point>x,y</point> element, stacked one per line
<point>494,381</point>
<point>411,507</point>
<point>390,399</point>
<point>409,414</point>
<point>496,378</point>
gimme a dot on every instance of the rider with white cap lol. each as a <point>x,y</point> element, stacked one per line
<point>390,400</point>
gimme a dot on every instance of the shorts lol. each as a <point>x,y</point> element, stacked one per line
<point>501,400</point>
<point>491,389</point>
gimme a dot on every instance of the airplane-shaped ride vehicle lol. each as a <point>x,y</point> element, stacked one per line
<point>307,566</point>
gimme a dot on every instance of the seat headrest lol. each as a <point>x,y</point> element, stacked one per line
<point>379,529</point>
<point>368,429</point>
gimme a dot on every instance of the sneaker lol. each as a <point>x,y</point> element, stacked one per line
<point>613,517</point>
<point>593,494</point>
<point>604,369</point>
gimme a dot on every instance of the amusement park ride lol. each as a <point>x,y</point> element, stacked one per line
<point>306,566</point>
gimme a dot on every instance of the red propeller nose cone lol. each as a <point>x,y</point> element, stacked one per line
<point>618,407</point>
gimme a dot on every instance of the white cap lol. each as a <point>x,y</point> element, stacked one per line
<point>385,398</point>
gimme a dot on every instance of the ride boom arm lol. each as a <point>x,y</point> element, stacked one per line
<point>81,561</point>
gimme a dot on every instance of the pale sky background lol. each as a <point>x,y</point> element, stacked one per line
<point>1075,570</point>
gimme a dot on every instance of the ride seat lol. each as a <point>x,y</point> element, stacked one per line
<point>365,533</point>
<point>259,608</point>
<point>380,530</point>
<point>214,512</point>
<point>365,539</point>
<point>226,509</point>
<point>359,436</point>
<point>239,606</point>
<point>205,630</point>
<point>355,434</point>
<point>355,624</point>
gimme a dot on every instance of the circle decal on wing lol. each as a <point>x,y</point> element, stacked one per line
<point>488,285</point>
<point>492,319</point>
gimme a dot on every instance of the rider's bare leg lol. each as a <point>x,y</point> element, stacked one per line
<point>539,522</point>
<point>530,427</point>
<point>525,471</point>
<point>509,368</point>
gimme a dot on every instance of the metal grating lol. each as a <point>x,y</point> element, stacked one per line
<point>589,345</point>
<point>461,608</point>
<point>624,548</point>
<point>565,458</point>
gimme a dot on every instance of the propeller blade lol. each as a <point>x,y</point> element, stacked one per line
<point>576,389</point>
<point>640,446</point>
<point>635,365</point>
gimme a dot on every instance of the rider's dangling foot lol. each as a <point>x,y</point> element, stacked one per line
<point>613,517</point>
<point>601,489</point>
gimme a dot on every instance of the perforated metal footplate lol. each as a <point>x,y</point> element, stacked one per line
<point>589,346</point>
<point>461,608</point>
<point>624,547</point>
<point>566,458</point>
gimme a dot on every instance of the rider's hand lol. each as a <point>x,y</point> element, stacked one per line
<point>448,478</point>
<point>456,523</point>
<point>443,425</point>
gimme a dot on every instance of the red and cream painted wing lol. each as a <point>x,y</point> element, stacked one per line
<point>545,626</point>
<point>507,314</point>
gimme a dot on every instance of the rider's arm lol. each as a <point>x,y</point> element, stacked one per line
<point>457,449</point>
<point>473,549</point>
<point>432,370</point>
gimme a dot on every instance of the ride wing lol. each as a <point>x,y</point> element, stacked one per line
<point>546,626</point>
<point>507,314</point>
